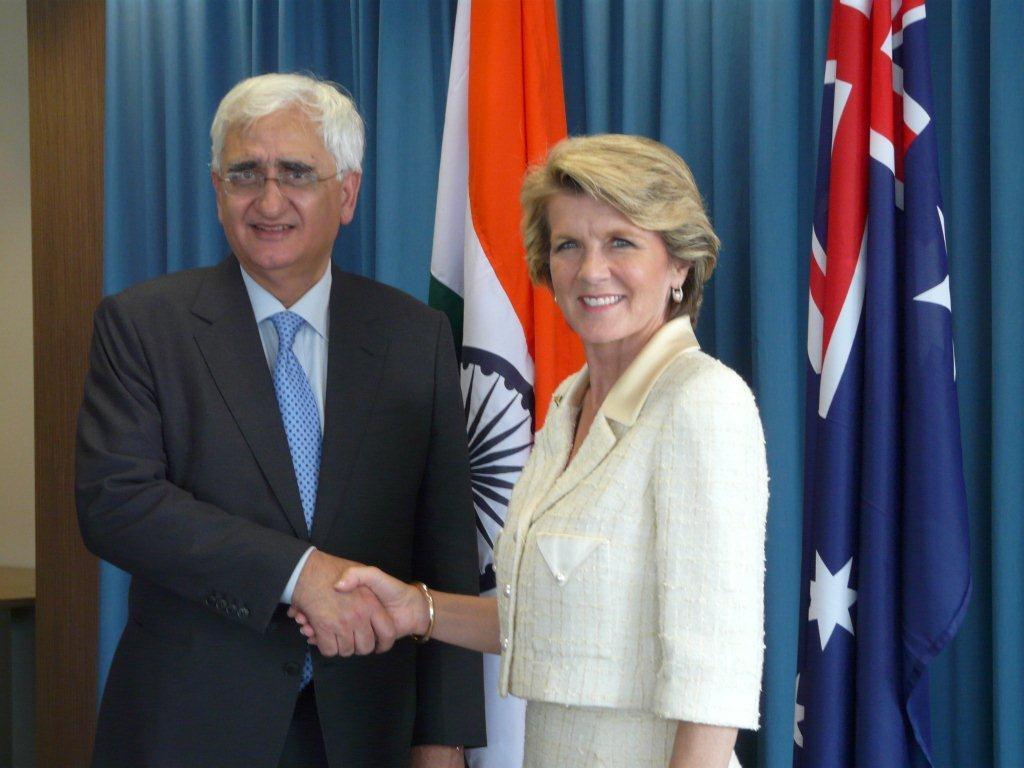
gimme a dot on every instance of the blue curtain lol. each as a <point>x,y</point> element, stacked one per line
<point>978,687</point>
<point>735,87</point>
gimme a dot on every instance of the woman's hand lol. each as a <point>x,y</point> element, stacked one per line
<point>405,603</point>
<point>463,620</point>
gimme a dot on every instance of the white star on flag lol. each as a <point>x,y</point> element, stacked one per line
<point>831,599</point>
<point>940,295</point>
<point>798,716</point>
<point>937,295</point>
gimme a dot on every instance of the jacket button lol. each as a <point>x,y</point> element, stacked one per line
<point>560,578</point>
<point>243,612</point>
<point>508,590</point>
<point>504,644</point>
<point>290,668</point>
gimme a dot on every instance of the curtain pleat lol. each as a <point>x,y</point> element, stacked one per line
<point>1006,166</point>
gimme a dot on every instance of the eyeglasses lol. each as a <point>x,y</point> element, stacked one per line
<point>250,182</point>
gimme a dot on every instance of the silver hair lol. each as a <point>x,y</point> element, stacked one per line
<point>334,113</point>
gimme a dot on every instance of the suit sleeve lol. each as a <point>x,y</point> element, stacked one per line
<point>711,497</point>
<point>131,515</point>
<point>449,679</point>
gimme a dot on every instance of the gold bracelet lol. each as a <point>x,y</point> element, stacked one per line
<point>430,613</point>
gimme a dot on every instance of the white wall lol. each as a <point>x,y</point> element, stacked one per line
<point>17,462</point>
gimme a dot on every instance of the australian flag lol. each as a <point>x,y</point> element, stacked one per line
<point>886,572</point>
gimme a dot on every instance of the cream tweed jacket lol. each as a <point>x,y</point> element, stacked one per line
<point>635,577</point>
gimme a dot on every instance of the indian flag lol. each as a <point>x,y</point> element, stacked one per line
<point>505,109</point>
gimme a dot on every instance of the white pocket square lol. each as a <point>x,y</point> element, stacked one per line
<point>563,553</point>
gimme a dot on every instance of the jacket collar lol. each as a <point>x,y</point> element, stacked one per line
<point>357,348</point>
<point>628,395</point>
<point>619,411</point>
<point>230,345</point>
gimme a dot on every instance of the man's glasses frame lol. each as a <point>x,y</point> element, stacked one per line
<point>249,182</point>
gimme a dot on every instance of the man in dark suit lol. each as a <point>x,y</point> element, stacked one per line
<point>248,431</point>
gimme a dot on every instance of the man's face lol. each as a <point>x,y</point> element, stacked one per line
<point>283,237</point>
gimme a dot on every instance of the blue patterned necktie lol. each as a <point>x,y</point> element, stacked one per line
<point>301,424</point>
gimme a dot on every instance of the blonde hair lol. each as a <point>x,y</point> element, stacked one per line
<point>645,181</point>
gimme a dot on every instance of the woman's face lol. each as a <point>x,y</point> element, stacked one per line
<point>610,278</point>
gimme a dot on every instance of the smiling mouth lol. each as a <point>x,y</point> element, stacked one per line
<point>601,301</point>
<point>271,229</point>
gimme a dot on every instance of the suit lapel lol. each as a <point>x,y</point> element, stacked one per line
<point>233,352</point>
<point>554,479</point>
<point>599,442</point>
<point>620,409</point>
<point>357,348</point>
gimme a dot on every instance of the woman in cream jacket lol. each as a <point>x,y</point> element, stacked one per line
<point>630,571</point>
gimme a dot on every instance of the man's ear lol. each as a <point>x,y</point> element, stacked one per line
<point>350,190</point>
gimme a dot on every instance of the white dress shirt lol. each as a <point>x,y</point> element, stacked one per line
<point>310,347</point>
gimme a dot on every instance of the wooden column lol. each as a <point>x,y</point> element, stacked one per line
<point>66,65</point>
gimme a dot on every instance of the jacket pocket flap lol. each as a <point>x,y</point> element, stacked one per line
<point>563,553</point>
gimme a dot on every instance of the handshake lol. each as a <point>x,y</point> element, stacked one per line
<point>345,608</point>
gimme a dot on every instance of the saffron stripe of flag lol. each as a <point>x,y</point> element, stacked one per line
<point>505,109</point>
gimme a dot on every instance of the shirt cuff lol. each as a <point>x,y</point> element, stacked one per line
<point>286,595</point>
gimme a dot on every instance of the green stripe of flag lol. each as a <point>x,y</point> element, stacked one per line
<point>448,301</point>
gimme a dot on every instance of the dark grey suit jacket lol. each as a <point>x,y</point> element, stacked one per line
<point>184,480</point>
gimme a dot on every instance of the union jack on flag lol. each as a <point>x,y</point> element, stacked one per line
<point>886,571</point>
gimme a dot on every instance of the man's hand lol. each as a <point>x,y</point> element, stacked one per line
<point>437,756</point>
<point>344,623</point>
